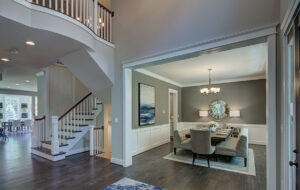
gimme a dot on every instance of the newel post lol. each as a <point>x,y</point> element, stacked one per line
<point>92,140</point>
<point>95,15</point>
<point>54,141</point>
<point>35,135</point>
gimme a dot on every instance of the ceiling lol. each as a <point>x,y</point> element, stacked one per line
<point>239,64</point>
<point>30,59</point>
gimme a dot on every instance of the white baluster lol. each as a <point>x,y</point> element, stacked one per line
<point>64,128</point>
<point>54,142</point>
<point>104,27</point>
<point>37,1</point>
<point>62,6</point>
<point>67,7</point>
<point>102,23</point>
<point>50,4</point>
<point>43,3</point>
<point>84,1</point>
<point>110,27</point>
<point>55,5</point>
<point>92,140</point>
<point>72,8</point>
<point>80,6</point>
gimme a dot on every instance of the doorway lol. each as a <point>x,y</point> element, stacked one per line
<point>173,111</point>
<point>293,105</point>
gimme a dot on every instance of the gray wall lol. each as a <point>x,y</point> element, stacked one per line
<point>248,96</point>
<point>143,28</point>
<point>161,99</point>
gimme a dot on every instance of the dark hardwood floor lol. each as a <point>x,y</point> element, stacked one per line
<point>21,171</point>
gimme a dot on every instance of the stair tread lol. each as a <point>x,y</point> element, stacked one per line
<point>67,138</point>
<point>85,113</point>
<point>47,151</point>
<point>73,131</point>
<point>77,125</point>
<point>49,143</point>
<point>84,119</point>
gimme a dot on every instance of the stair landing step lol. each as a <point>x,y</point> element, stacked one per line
<point>47,151</point>
<point>49,143</point>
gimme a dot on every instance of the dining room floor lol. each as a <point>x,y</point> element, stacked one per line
<point>21,170</point>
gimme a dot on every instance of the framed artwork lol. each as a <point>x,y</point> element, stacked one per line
<point>24,115</point>
<point>146,104</point>
<point>24,105</point>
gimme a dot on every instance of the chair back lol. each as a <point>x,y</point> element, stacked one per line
<point>27,122</point>
<point>176,139</point>
<point>201,141</point>
<point>16,123</point>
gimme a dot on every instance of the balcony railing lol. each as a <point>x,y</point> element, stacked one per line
<point>89,12</point>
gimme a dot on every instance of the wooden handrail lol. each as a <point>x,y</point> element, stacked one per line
<point>39,119</point>
<point>74,106</point>
<point>99,128</point>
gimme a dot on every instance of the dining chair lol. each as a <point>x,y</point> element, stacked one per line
<point>201,144</point>
<point>27,124</point>
<point>16,124</point>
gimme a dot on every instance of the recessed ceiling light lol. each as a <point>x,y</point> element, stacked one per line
<point>5,59</point>
<point>30,43</point>
<point>27,80</point>
<point>17,84</point>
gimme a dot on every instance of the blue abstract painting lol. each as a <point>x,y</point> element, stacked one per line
<point>146,104</point>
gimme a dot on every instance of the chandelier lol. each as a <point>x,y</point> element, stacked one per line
<point>210,89</point>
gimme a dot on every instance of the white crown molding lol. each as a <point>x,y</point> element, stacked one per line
<point>289,15</point>
<point>205,45</point>
<point>167,80</point>
<point>159,77</point>
<point>227,81</point>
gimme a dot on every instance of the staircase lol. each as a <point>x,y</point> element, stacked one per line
<point>70,133</point>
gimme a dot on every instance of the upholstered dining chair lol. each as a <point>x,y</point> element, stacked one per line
<point>201,144</point>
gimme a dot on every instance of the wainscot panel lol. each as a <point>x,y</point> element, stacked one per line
<point>146,138</point>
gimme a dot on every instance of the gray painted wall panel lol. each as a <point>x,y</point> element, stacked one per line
<point>248,96</point>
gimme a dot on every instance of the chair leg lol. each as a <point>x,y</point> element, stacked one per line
<point>175,151</point>
<point>208,161</point>
<point>194,157</point>
<point>245,162</point>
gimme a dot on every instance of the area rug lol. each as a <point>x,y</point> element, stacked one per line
<point>130,184</point>
<point>231,164</point>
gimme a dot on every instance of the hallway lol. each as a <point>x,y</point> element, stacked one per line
<point>21,170</point>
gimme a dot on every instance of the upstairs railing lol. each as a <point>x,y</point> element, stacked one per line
<point>96,140</point>
<point>89,12</point>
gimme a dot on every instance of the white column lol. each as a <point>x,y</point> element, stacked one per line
<point>54,141</point>
<point>127,115</point>
<point>35,138</point>
<point>271,114</point>
<point>92,140</point>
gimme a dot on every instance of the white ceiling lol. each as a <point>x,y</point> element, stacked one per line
<point>244,63</point>
<point>31,59</point>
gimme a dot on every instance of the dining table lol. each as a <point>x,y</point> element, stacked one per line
<point>217,136</point>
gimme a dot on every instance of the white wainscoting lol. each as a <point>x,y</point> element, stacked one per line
<point>146,138</point>
<point>257,132</point>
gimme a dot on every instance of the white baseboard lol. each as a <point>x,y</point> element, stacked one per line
<point>117,161</point>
